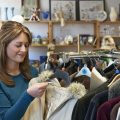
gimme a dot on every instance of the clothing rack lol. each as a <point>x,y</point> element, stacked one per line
<point>110,54</point>
<point>90,54</point>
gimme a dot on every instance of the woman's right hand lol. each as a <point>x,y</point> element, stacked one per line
<point>37,89</point>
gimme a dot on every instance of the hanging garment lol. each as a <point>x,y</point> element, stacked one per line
<point>114,111</point>
<point>103,112</point>
<point>114,89</point>
<point>73,67</point>
<point>83,79</point>
<point>111,70</point>
<point>81,106</point>
<point>118,114</point>
<point>57,103</point>
<point>114,79</point>
<point>96,79</point>
<point>95,102</point>
<point>63,75</point>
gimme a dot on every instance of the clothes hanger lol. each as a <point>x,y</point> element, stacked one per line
<point>110,62</point>
<point>91,63</point>
<point>114,79</point>
<point>84,70</point>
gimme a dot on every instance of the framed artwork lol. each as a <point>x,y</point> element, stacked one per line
<point>85,41</point>
<point>68,8</point>
<point>90,9</point>
<point>28,6</point>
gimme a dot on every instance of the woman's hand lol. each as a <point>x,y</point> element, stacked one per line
<point>37,89</point>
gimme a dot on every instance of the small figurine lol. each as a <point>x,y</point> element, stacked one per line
<point>34,16</point>
<point>56,15</point>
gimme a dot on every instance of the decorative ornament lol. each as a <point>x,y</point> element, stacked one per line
<point>113,14</point>
<point>108,43</point>
<point>34,16</point>
<point>101,16</point>
<point>18,18</point>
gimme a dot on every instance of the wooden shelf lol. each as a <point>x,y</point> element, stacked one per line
<point>66,45</point>
<point>111,36</point>
<point>96,24</point>
<point>41,21</point>
<point>109,22</point>
<point>39,45</point>
<point>74,22</point>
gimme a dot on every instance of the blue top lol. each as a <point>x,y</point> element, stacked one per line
<point>15,100</point>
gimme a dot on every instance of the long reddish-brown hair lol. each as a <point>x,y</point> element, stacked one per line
<point>8,32</point>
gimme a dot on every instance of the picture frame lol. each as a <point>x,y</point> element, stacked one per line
<point>68,7</point>
<point>90,9</point>
<point>28,6</point>
<point>85,41</point>
<point>30,3</point>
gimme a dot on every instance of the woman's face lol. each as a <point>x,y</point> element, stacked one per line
<point>17,49</point>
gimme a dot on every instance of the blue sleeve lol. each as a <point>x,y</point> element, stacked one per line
<point>17,111</point>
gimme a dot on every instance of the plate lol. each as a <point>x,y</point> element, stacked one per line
<point>101,16</point>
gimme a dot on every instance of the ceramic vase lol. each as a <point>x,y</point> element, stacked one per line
<point>113,14</point>
<point>4,11</point>
<point>10,13</point>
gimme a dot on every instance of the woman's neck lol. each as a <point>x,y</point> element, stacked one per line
<point>13,69</point>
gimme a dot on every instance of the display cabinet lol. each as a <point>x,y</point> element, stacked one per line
<point>51,32</point>
<point>56,34</point>
<point>71,30</point>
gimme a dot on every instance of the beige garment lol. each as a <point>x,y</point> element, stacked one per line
<point>96,79</point>
<point>36,109</point>
<point>54,98</point>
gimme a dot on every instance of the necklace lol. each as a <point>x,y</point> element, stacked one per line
<point>13,74</point>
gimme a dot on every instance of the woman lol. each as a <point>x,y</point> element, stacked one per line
<point>15,72</point>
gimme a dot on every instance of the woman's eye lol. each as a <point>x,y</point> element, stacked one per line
<point>26,45</point>
<point>18,46</point>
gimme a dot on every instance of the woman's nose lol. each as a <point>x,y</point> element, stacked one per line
<point>23,48</point>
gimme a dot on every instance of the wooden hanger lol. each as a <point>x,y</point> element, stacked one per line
<point>114,79</point>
